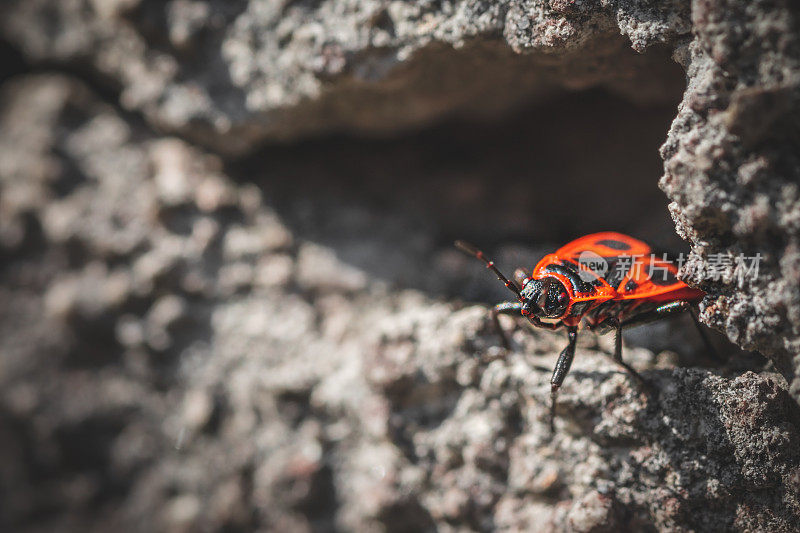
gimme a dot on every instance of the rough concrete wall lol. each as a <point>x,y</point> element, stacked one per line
<point>231,74</point>
<point>732,171</point>
<point>177,355</point>
<point>191,342</point>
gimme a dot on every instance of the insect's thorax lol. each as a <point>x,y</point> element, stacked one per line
<point>585,292</point>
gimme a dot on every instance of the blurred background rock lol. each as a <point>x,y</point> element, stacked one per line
<point>228,295</point>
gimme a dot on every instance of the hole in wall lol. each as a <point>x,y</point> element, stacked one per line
<point>11,61</point>
<point>518,187</point>
<point>542,175</point>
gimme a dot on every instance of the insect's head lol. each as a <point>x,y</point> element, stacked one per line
<point>544,298</point>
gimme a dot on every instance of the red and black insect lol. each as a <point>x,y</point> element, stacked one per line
<point>607,281</point>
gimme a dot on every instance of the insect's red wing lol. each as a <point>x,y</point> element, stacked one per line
<point>655,278</point>
<point>604,244</point>
<point>586,267</point>
<point>605,254</point>
<point>631,267</point>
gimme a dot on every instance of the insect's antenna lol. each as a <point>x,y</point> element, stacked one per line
<point>471,250</point>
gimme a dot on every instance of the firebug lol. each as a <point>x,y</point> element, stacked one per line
<point>606,281</point>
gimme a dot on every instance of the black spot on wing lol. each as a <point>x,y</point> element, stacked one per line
<point>618,268</point>
<point>614,244</point>
<point>630,286</point>
<point>662,276</point>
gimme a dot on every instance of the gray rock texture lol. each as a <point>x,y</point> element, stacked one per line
<point>232,74</point>
<point>180,355</point>
<point>279,342</point>
<point>732,171</point>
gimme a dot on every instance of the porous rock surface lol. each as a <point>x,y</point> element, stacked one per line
<point>231,74</point>
<point>176,356</point>
<point>732,171</point>
<point>193,344</point>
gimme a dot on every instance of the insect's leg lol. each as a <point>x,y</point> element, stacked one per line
<point>561,370</point>
<point>618,351</point>
<point>662,311</point>
<point>504,308</point>
<point>670,309</point>
<point>703,335</point>
<point>544,325</point>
